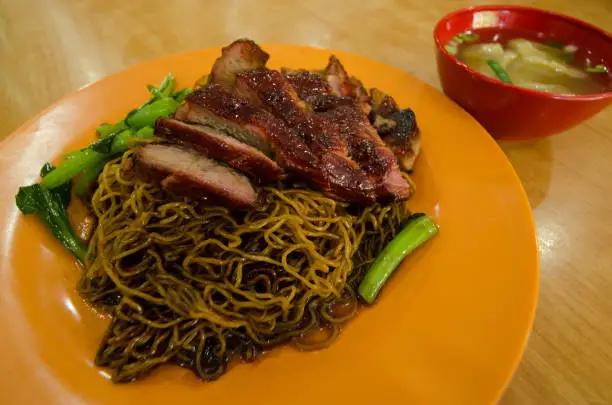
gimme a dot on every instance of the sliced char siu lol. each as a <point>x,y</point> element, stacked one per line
<point>217,145</point>
<point>314,124</point>
<point>239,56</point>
<point>313,89</point>
<point>213,104</point>
<point>187,173</point>
<point>400,132</point>
<point>343,133</point>
<point>269,89</point>
<point>343,85</point>
<point>223,108</point>
<point>369,151</point>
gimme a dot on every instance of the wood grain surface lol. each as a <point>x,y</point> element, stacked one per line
<point>51,47</point>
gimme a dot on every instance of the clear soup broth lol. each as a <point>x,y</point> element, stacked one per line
<point>532,61</point>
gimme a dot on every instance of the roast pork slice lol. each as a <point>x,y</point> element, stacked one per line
<point>342,133</point>
<point>367,148</point>
<point>343,85</point>
<point>272,91</point>
<point>222,107</point>
<point>217,145</point>
<point>239,56</point>
<point>188,173</point>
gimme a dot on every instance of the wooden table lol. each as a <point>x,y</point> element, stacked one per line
<point>49,48</point>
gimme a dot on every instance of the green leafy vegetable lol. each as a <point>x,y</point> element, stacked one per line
<point>499,71</point>
<point>419,229</point>
<point>62,191</point>
<point>27,200</point>
<point>51,205</point>
<point>50,199</point>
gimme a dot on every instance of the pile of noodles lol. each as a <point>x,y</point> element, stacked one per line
<point>199,286</point>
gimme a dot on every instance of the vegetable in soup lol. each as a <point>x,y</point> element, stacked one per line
<point>546,66</point>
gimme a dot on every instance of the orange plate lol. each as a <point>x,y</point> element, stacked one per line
<point>448,329</point>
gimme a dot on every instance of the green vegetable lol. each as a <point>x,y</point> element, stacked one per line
<point>117,145</point>
<point>116,138</point>
<point>70,168</point>
<point>419,229</point>
<point>181,94</point>
<point>103,145</point>
<point>165,90</point>
<point>155,92</point>
<point>144,133</point>
<point>499,71</point>
<point>147,115</point>
<point>62,191</point>
<point>50,205</point>
<point>468,37</point>
<point>598,69</point>
<point>50,199</point>
<point>167,85</point>
<point>89,177</point>
<point>105,130</point>
<point>451,48</point>
<point>128,138</point>
<point>85,159</point>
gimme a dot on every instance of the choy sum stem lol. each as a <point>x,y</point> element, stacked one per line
<point>419,229</point>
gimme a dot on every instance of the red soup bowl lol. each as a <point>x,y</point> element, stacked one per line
<point>511,112</point>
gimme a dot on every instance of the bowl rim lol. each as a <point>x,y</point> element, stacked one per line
<point>472,9</point>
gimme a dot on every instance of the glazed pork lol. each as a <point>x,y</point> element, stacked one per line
<point>222,108</point>
<point>344,85</point>
<point>318,126</point>
<point>239,56</point>
<point>331,87</point>
<point>188,173</point>
<point>343,133</point>
<point>313,89</point>
<point>217,145</point>
<point>398,128</point>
